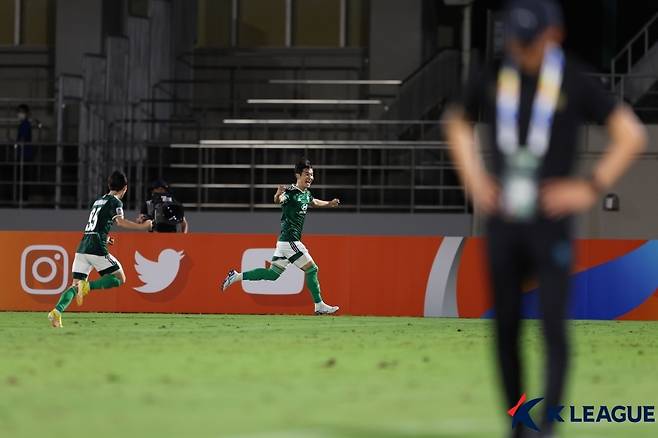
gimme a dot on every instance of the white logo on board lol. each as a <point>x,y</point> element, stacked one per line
<point>157,275</point>
<point>44,269</point>
<point>291,282</point>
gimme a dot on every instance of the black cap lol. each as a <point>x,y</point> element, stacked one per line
<point>525,20</point>
<point>159,183</point>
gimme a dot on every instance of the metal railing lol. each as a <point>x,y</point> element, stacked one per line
<point>37,92</point>
<point>626,87</point>
<point>634,50</point>
<point>281,127</point>
<point>332,129</point>
<point>367,175</point>
<point>427,88</point>
<point>298,60</point>
<point>342,82</point>
<point>38,174</point>
<point>234,98</point>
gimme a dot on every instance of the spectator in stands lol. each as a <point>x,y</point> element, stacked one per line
<point>25,149</point>
<point>24,133</point>
<point>534,105</point>
<point>163,209</point>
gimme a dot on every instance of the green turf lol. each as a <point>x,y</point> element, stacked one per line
<point>108,375</point>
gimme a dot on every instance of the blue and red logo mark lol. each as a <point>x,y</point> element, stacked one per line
<point>520,413</point>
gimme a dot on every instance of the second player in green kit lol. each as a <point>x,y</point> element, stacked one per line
<point>295,201</point>
<point>92,252</point>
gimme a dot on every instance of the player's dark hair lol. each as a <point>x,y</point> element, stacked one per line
<point>117,181</point>
<point>22,108</point>
<point>302,165</point>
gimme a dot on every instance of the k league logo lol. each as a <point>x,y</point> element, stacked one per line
<point>580,414</point>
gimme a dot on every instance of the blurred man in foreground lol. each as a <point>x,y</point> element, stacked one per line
<point>534,104</point>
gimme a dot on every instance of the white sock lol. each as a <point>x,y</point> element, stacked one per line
<point>238,276</point>
<point>318,305</point>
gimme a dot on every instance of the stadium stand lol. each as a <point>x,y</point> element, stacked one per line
<point>223,124</point>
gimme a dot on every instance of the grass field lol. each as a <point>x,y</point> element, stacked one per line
<point>108,375</point>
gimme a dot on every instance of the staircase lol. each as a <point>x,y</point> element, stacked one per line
<point>261,84</point>
<point>634,70</point>
<point>424,94</point>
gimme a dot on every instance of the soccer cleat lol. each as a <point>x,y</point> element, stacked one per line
<point>322,308</point>
<point>83,290</point>
<point>55,318</point>
<point>230,279</point>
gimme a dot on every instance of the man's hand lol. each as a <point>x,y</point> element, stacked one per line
<point>334,203</point>
<point>566,196</point>
<point>485,193</point>
<point>148,225</point>
<point>279,191</point>
<point>110,240</point>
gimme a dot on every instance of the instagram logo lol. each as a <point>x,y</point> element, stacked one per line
<point>44,269</point>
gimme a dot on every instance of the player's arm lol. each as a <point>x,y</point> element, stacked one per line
<point>628,138</point>
<point>280,195</point>
<point>468,161</point>
<point>184,226</point>
<point>319,203</point>
<point>130,225</point>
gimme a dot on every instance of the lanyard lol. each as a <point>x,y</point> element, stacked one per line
<point>543,107</point>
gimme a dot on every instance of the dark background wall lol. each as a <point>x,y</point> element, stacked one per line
<point>596,29</point>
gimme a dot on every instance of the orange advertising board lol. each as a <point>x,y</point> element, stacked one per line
<point>183,273</point>
<point>364,275</point>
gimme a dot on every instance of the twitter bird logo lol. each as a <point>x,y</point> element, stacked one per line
<point>157,275</point>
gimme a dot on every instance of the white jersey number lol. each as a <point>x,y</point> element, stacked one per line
<point>93,219</point>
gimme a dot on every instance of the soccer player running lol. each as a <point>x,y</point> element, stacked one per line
<point>92,251</point>
<point>294,201</point>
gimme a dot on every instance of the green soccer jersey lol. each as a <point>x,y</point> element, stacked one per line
<point>101,218</point>
<point>294,204</point>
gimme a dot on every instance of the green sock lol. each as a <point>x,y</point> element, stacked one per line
<point>105,282</point>
<point>313,284</point>
<point>261,274</point>
<point>65,298</point>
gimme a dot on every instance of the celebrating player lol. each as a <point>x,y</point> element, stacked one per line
<point>92,251</point>
<point>294,201</point>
